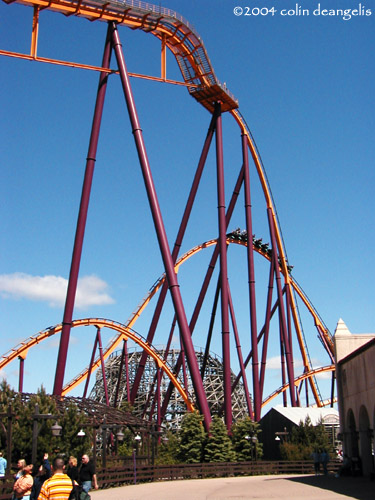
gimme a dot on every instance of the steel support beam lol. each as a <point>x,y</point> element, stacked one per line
<point>225,333</point>
<point>282,318</point>
<point>81,223</point>
<point>251,278</point>
<point>160,231</point>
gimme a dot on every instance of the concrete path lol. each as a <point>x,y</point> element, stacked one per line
<point>264,487</point>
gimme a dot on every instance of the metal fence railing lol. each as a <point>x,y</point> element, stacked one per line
<point>121,474</point>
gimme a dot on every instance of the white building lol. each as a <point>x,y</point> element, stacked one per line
<point>355,374</point>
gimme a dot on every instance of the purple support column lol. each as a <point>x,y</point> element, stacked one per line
<point>81,223</point>
<point>249,356</point>
<point>284,333</point>
<point>158,399</point>
<point>307,393</point>
<point>20,379</point>
<point>210,328</point>
<point>122,361</point>
<point>251,277</point>
<point>184,372</point>
<point>223,272</point>
<point>240,358</point>
<point>161,234</point>
<point>282,357</point>
<point>90,366</point>
<point>103,367</point>
<point>267,327</point>
<point>177,246</point>
<point>127,372</point>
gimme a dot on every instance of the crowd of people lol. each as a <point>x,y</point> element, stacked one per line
<point>49,482</point>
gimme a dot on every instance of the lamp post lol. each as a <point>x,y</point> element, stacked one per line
<point>55,429</point>
<point>137,440</point>
<point>283,435</point>
<point>254,440</point>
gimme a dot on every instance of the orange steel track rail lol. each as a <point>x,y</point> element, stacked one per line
<point>298,380</point>
<point>172,29</point>
<point>125,331</point>
<point>181,38</point>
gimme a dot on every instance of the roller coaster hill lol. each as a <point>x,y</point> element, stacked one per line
<point>275,303</point>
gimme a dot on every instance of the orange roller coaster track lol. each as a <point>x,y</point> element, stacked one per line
<point>180,37</point>
<point>175,33</point>
<point>125,330</point>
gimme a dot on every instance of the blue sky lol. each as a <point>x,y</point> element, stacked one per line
<point>305,87</point>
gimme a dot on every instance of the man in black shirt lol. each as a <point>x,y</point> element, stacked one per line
<point>87,475</point>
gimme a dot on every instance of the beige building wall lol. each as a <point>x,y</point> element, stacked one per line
<point>355,374</point>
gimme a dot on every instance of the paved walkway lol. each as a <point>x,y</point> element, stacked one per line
<point>264,487</point>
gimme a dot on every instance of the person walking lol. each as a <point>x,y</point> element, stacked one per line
<point>87,475</point>
<point>59,486</point>
<point>3,465</point>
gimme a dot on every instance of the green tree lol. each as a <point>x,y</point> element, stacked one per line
<point>191,438</point>
<point>243,433</point>
<point>7,397</point>
<point>168,450</point>
<point>218,447</point>
<point>22,427</point>
<point>69,443</point>
<point>304,440</point>
<point>126,447</point>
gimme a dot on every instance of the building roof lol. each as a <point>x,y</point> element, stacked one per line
<point>295,415</point>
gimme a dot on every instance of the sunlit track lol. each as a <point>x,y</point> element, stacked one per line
<point>173,30</point>
<point>298,380</point>
<point>124,333</point>
<point>124,330</point>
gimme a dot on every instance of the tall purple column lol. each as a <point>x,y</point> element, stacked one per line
<point>89,371</point>
<point>81,223</point>
<point>283,327</point>
<point>240,357</point>
<point>99,336</point>
<point>161,233</point>
<point>20,379</point>
<point>251,277</point>
<point>223,273</point>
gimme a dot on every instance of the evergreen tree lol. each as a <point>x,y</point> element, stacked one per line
<point>7,397</point>
<point>243,432</point>
<point>168,450</point>
<point>218,446</point>
<point>304,440</point>
<point>191,438</point>
<point>22,426</point>
<point>69,443</point>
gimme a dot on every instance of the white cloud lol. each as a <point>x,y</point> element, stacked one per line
<point>91,290</point>
<point>274,363</point>
<point>324,375</point>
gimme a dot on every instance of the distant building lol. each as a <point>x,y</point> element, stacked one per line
<point>278,423</point>
<point>355,374</point>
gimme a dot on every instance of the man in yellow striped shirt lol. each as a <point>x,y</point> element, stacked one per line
<point>59,486</point>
